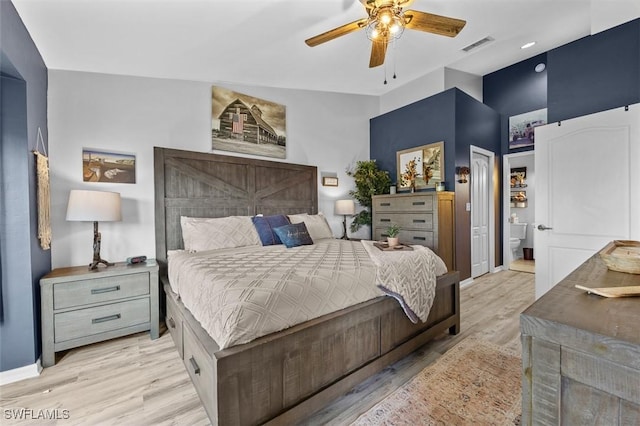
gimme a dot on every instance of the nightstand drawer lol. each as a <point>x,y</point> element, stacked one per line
<point>85,292</point>
<point>86,322</point>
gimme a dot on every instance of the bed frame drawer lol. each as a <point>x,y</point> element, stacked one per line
<point>97,290</point>
<point>200,368</point>
<point>174,323</point>
<point>100,319</point>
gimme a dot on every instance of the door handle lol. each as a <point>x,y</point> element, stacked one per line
<point>543,228</point>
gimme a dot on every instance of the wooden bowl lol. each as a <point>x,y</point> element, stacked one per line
<point>622,256</point>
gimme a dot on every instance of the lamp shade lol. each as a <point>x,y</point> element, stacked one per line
<point>94,206</point>
<point>345,207</point>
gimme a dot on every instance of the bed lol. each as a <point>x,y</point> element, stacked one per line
<point>284,376</point>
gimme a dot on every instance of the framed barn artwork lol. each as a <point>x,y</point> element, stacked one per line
<point>247,124</point>
<point>521,128</point>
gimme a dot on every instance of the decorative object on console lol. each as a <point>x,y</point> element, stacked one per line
<point>246,124</point>
<point>420,166</point>
<point>94,206</point>
<point>136,259</point>
<point>369,181</point>
<point>392,235</point>
<point>329,181</point>
<point>463,172</point>
<point>345,208</point>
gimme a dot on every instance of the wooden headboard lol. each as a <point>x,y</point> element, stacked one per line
<point>200,184</point>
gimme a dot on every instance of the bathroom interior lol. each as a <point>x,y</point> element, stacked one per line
<point>521,217</point>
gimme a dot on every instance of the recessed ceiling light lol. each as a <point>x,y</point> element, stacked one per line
<point>540,67</point>
<point>527,45</point>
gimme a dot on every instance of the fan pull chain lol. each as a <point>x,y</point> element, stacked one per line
<point>385,73</point>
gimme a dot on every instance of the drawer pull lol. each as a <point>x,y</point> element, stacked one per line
<point>195,366</point>
<point>105,319</point>
<point>419,221</point>
<point>418,203</point>
<point>105,289</point>
<point>385,204</point>
<point>419,238</point>
<point>172,323</point>
<point>385,220</point>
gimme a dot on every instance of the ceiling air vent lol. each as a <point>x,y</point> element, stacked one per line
<point>478,44</point>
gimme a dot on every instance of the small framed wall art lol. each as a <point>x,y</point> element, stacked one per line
<point>329,181</point>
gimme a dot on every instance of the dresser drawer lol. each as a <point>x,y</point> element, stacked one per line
<point>421,221</point>
<point>199,366</point>
<point>174,325</point>
<point>96,290</point>
<point>414,203</point>
<point>423,238</point>
<point>90,321</point>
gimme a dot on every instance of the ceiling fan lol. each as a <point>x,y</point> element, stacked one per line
<point>386,21</point>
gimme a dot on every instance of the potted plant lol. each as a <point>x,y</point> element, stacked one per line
<point>392,235</point>
<point>369,181</point>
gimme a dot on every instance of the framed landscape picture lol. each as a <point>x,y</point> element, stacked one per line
<point>247,124</point>
<point>521,128</point>
<point>107,166</point>
<point>423,164</point>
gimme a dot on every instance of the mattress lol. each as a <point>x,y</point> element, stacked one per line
<point>240,294</point>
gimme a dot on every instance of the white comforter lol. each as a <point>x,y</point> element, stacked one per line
<point>241,294</point>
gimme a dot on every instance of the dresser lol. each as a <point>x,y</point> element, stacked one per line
<point>81,306</point>
<point>425,218</point>
<point>581,352</point>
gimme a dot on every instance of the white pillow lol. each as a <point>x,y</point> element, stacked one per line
<point>203,233</point>
<point>316,224</point>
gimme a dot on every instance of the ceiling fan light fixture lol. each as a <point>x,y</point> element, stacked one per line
<point>385,23</point>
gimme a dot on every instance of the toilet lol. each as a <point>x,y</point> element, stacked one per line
<point>518,232</point>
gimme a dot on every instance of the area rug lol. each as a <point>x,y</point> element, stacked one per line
<point>474,383</point>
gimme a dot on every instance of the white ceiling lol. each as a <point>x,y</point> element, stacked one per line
<point>261,42</point>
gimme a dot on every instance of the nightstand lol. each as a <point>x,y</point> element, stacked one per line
<point>80,306</point>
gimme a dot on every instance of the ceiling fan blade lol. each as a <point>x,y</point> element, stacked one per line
<point>337,32</point>
<point>378,52</point>
<point>431,23</point>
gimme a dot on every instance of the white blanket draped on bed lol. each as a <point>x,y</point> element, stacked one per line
<point>241,294</point>
<point>407,276</point>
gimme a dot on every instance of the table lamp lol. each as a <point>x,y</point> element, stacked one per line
<point>345,208</point>
<point>94,206</point>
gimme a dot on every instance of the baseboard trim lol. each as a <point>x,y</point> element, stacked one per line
<point>21,373</point>
<point>466,283</point>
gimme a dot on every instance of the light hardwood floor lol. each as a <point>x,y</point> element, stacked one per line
<point>137,381</point>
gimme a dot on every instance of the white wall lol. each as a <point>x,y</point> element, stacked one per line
<point>134,114</point>
<point>431,84</point>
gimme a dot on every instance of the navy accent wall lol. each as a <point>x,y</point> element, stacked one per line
<point>423,122</point>
<point>515,90</point>
<point>23,262</point>
<point>595,73</point>
<point>460,121</point>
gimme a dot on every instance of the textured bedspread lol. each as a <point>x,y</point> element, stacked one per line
<point>241,294</point>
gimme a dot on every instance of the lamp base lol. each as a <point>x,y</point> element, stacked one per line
<point>344,229</point>
<point>96,250</point>
<point>95,263</point>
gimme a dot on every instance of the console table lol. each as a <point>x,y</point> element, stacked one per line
<point>581,352</point>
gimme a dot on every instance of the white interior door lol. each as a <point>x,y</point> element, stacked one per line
<point>587,189</point>
<point>480,202</point>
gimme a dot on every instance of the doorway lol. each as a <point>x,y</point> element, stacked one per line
<point>482,211</point>
<point>519,211</point>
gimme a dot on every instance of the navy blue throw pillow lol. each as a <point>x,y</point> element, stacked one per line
<point>294,235</point>
<point>265,225</point>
